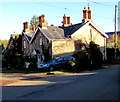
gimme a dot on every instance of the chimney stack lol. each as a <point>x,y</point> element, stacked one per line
<point>89,13</point>
<point>26,27</point>
<point>86,15</point>
<point>66,21</point>
<point>42,21</point>
<point>33,28</point>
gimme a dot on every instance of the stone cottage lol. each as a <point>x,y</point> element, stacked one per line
<point>53,41</point>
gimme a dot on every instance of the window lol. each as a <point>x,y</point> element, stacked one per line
<point>40,41</point>
<point>24,44</point>
<point>35,42</point>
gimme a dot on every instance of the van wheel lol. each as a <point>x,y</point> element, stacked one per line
<point>51,68</point>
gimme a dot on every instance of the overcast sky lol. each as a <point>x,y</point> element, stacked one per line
<point>13,14</point>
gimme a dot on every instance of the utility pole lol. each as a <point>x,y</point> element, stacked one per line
<point>115,36</point>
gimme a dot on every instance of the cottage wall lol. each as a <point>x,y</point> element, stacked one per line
<point>42,44</point>
<point>25,45</point>
<point>89,33</point>
<point>62,48</point>
<point>38,41</point>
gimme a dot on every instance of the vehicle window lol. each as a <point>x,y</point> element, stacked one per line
<point>66,58</point>
<point>60,59</point>
<point>55,60</point>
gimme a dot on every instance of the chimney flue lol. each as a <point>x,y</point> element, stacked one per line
<point>86,15</point>
<point>42,21</point>
<point>33,28</point>
<point>89,13</point>
<point>26,27</point>
<point>64,19</point>
<point>68,20</point>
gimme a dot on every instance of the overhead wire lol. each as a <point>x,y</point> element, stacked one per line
<point>77,12</point>
<point>100,3</point>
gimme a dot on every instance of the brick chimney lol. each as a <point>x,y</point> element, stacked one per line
<point>86,15</point>
<point>66,21</point>
<point>89,13</point>
<point>42,21</point>
<point>33,28</point>
<point>26,27</point>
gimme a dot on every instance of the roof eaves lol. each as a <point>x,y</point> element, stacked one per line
<point>89,22</point>
<point>102,32</point>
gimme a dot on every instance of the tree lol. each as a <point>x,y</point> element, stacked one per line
<point>4,43</point>
<point>1,46</point>
<point>13,56</point>
<point>95,55</point>
<point>34,21</point>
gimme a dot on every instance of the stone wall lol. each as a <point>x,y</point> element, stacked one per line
<point>62,48</point>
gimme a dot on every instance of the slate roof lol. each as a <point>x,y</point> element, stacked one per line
<point>69,30</point>
<point>110,33</point>
<point>29,35</point>
<point>29,38</point>
<point>60,32</point>
<point>54,32</point>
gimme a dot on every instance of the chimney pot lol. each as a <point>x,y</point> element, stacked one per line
<point>42,21</point>
<point>89,13</point>
<point>33,27</point>
<point>25,26</point>
<point>68,20</point>
<point>64,19</point>
<point>86,15</point>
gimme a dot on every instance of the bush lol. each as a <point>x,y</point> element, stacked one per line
<point>96,56</point>
<point>82,61</point>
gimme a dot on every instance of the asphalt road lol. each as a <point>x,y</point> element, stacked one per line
<point>93,85</point>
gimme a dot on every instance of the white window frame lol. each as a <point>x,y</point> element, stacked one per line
<point>41,41</point>
<point>24,44</point>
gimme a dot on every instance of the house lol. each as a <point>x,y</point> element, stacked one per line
<point>53,41</point>
<point>26,37</point>
<point>87,31</point>
<point>111,39</point>
<point>41,42</point>
<point>14,43</point>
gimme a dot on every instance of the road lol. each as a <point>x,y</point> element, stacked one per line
<point>92,85</point>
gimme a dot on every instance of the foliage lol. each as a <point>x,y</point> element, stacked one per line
<point>110,41</point>
<point>34,21</point>
<point>118,44</point>
<point>89,58</point>
<point>82,61</point>
<point>95,55</point>
<point>4,43</point>
<point>1,46</point>
<point>13,56</point>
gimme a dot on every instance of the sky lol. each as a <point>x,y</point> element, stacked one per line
<point>13,13</point>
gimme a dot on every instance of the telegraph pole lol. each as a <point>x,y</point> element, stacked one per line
<point>115,36</point>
